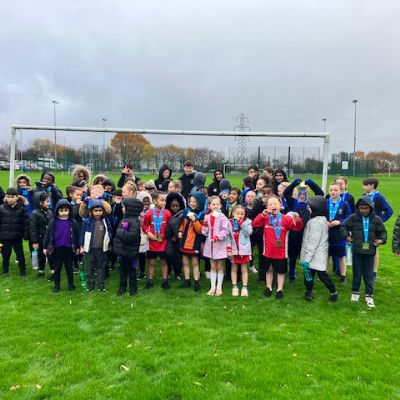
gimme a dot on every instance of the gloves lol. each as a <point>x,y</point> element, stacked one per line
<point>297,181</point>
<point>125,225</point>
<point>306,270</point>
<point>309,181</point>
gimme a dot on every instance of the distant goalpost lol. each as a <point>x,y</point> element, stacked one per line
<point>311,135</point>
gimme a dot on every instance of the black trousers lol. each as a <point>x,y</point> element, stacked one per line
<point>257,239</point>
<point>96,262</point>
<point>63,256</point>
<point>127,272</point>
<point>323,277</point>
<point>363,267</point>
<point>142,262</point>
<point>8,245</point>
<point>174,260</point>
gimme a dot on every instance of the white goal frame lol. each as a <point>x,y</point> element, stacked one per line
<point>312,135</point>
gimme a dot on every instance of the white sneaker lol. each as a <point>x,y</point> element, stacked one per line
<point>370,301</point>
<point>355,296</point>
<point>244,292</point>
<point>208,274</point>
<point>253,269</point>
<point>235,291</point>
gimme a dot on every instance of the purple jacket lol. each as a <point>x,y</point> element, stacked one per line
<point>216,250</point>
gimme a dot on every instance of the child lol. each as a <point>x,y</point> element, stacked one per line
<point>338,211</point>
<point>396,237</point>
<point>24,189</point>
<point>47,184</point>
<point>96,193</point>
<point>247,184</point>
<point>366,231</point>
<point>155,225</point>
<point>115,218</point>
<point>175,205</point>
<point>126,244</point>
<point>314,250</point>
<point>190,238</point>
<point>216,228</point>
<point>164,174</point>
<point>229,204</point>
<point>276,227</point>
<point>298,204</point>
<point>279,177</point>
<point>129,190</point>
<point>214,187</point>
<point>280,190</point>
<point>62,242</point>
<point>109,187</point>
<point>253,174</point>
<point>95,242</point>
<point>262,181</point>
<point>74,196</point>
<point>381,208</point>
<point>145,198</point>
<point>344,194</point>
<point>38,222</point>
<point>199,181</point>
<point>150,187</point>
<point>14,227</point>
<point>140,185</point>
<point>187,178</point>
<point>239,247</point>
<point>249,200</point>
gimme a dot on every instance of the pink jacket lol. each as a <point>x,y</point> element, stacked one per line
<point>216,250</point>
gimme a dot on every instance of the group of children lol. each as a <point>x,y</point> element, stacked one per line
<point>181,222</point>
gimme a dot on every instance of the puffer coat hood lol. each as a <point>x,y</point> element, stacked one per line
<point>318,206</point>
<point>133,207</point>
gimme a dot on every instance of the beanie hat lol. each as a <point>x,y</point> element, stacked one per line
<point>224,186</point>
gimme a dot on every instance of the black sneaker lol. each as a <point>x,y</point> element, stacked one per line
<point>71,288</point>
<point>309,296</point>
<point>333,298</point>
<point>51,278</point>
<point>22,273</point>
<point>196,286</point>
<point>343,280</point>
<point>76,270</point>
<point>165,284</point>
<point>149,284</point>
<point>141,276</point>
<point>40,274</point>
<point>279,295</point>
<point>121,292</point>
<point>56,289</point>
<point>133,293</point>
<point>267,292</point>
<point>187,283</point>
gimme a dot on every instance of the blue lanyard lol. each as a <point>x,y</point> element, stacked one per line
<point>333,209</point>
<point>199,215</point>
<point>366,228</point>
<point>277,226</point>
<point>157,220</point>
<point>372,195</point>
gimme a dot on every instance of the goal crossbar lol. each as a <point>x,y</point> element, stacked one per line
<point>312,135</point>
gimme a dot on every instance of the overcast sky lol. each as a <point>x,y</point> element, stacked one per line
<point>167,64</point>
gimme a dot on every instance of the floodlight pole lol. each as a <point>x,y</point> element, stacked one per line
<point>354,136</point>
<point>55,102</point>
<point>325,163</point>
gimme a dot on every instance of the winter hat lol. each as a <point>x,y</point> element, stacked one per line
<point>224,186</point>
<point>142,195</point>
<point>95,203</point>
<point>318,206</point>
<point>199,179</point>
<point>117,192</point>
<point>12,192</point>
<point>133,207</point>
<point>79,183</point>
<point>365,201</point>
<point>201,200</point>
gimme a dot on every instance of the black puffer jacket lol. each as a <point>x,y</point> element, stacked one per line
<point>126,243</point>
<point>14,221</point>
<point>354,224</point>
<point>38,220</point>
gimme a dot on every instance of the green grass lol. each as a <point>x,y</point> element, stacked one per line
<point>182,345</point>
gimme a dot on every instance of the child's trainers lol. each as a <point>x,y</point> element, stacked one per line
<point>267,292</point>
<point>187,283</point>
<point>355,296</point>
<point>71,287</point>
<point>235,291</point>
<point>56,289</point>
<point>333,298</point>
<point>141,276</point>
<point>196,286</point>
<point>370,301</point>
<point>149,284</point>
<point>309,296</point>
<point>244,292</point>
<point>279,295</point>
<point>253,269</point>
<point>211,292</point>
<point>165,284</point>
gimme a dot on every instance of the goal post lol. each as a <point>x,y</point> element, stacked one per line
<point>312,135</point>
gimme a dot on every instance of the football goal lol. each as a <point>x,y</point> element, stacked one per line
<point>325,136</point>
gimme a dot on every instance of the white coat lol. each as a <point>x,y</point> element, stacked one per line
<point>314,249</point>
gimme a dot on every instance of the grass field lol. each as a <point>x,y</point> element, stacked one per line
<point>180,345</point>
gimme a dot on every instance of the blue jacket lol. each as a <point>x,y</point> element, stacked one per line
<point>28,196</point>
<point>342,213</point>
<point>381,207</point>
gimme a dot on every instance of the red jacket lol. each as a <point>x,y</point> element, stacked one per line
<point>148,226</point>
<point>270,248</point>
